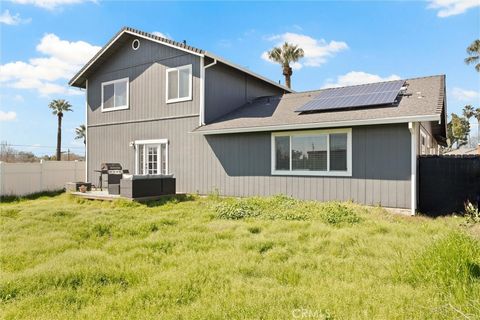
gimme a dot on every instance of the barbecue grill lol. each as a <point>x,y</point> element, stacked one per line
<point>114,173</point>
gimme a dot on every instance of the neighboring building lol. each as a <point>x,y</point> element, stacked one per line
<point>158,106</point>
<point>464,151</point>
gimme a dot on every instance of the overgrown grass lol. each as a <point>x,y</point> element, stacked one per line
<point>215,258</point>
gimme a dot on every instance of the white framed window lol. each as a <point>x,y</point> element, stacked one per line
<point>151,157</point>
<point>179,84</point>
<point>115,95</point>
<point>312,153</point>
<point>423,142</point>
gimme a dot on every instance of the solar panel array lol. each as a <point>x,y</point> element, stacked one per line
<point>355,96</point>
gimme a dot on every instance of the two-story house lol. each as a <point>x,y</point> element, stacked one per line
<point>162,107</point>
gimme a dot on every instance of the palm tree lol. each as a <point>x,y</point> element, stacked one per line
<point>59,106</point>
<point>468,112</point>
<point>80,133</point>
<point>473,51</point>
<point>477,116</point>
<point>285,55</point>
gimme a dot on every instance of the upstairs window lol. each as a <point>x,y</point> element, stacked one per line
<point>179,84</point>
<point>319,152</point>
<point>115,95</point>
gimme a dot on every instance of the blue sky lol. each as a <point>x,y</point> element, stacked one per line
<point>43,42</point>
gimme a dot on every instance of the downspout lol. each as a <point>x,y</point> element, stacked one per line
<point>86,130</point>
<point>412,126</point>
<point>203,67</point>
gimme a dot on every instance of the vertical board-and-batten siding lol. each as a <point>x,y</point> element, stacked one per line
<point>235,164</point>
<point>239,164</point>
<point>226,89</point>
<point>146,70</point>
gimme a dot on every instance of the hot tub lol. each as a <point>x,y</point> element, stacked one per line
<point>141,186</point>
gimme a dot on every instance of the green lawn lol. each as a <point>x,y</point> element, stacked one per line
<point>212,258</point>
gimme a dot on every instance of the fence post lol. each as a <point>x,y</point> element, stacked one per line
<point>75,171</point>
<point>2,172</point>
<point>41,175</point>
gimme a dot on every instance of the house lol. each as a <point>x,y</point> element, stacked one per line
<point>162,107</point>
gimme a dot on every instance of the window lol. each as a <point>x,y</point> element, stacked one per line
<point>320,152</point>
<point>151,157</point>
<point>115,95</point>
<point>179,84</point>
<point>135,44</point>
<point>423,143</point>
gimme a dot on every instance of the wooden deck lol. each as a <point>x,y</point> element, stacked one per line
<point>105,196</point>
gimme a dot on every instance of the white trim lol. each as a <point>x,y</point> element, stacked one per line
<point>290,134</point>
<point>135,41</point>
<point>135,34</point>
<point>201,118</point>
<point>190,81</point>
<point>412,126</point>
<point>158,143</point>
<point>151,141</point>
<point>236,66</point>
<point>211,55</point>
<point>126,106</point>
<point>86,130</point>
<point>203,67</point>
<point>315,125</point>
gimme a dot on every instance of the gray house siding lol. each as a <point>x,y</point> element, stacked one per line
<point>235,164</point>
<point>239,164</point>
<point>226,89</point>
<point>146,69</point>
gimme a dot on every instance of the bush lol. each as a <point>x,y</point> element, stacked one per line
<point>336,213</point>
<point>472,213</point>
<point>236,210</point>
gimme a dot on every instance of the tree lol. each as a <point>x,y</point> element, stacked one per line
<point>477,116</point>
<point>457,131</point>
<point>58,107</point>
<point>80,133</point>
<point>468,112</point>
<point>473,51</point>
<point>285,55</point>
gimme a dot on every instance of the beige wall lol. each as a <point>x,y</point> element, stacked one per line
<point>26,178</point>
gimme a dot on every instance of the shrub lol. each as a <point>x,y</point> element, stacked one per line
<point>239,209</point>
<point>472,213</point>
<point>336,213</point>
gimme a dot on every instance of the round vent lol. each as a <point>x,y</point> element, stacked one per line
<point>135,44</point>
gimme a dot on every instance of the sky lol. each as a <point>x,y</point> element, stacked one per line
<point>43,43</point>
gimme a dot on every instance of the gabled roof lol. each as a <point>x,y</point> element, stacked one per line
<point>79,79</point>
<point>422,101</point>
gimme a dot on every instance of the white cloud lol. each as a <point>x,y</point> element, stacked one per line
<point>161,34</point>
<point>7,116</point>
<point>464,95</point>
<point>358,77</point>
<point>18,98</point>
<point>48,74</point>
<point>447,8</point>
<point>317,51</point>
<point>51,4</point>
<point>12,20</point>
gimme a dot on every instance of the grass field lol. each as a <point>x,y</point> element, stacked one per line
<point>213,258</point>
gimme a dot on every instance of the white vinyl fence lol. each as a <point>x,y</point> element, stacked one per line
<point>26,178</point>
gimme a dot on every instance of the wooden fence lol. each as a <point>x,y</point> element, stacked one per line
<point>26,178</point>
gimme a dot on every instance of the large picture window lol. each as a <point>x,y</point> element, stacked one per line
<point>319,152</point>
<point>115,95</point>
<point>179,84</point>
<point>151,157</point>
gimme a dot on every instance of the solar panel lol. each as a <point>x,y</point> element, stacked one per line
<point>355,96</point>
